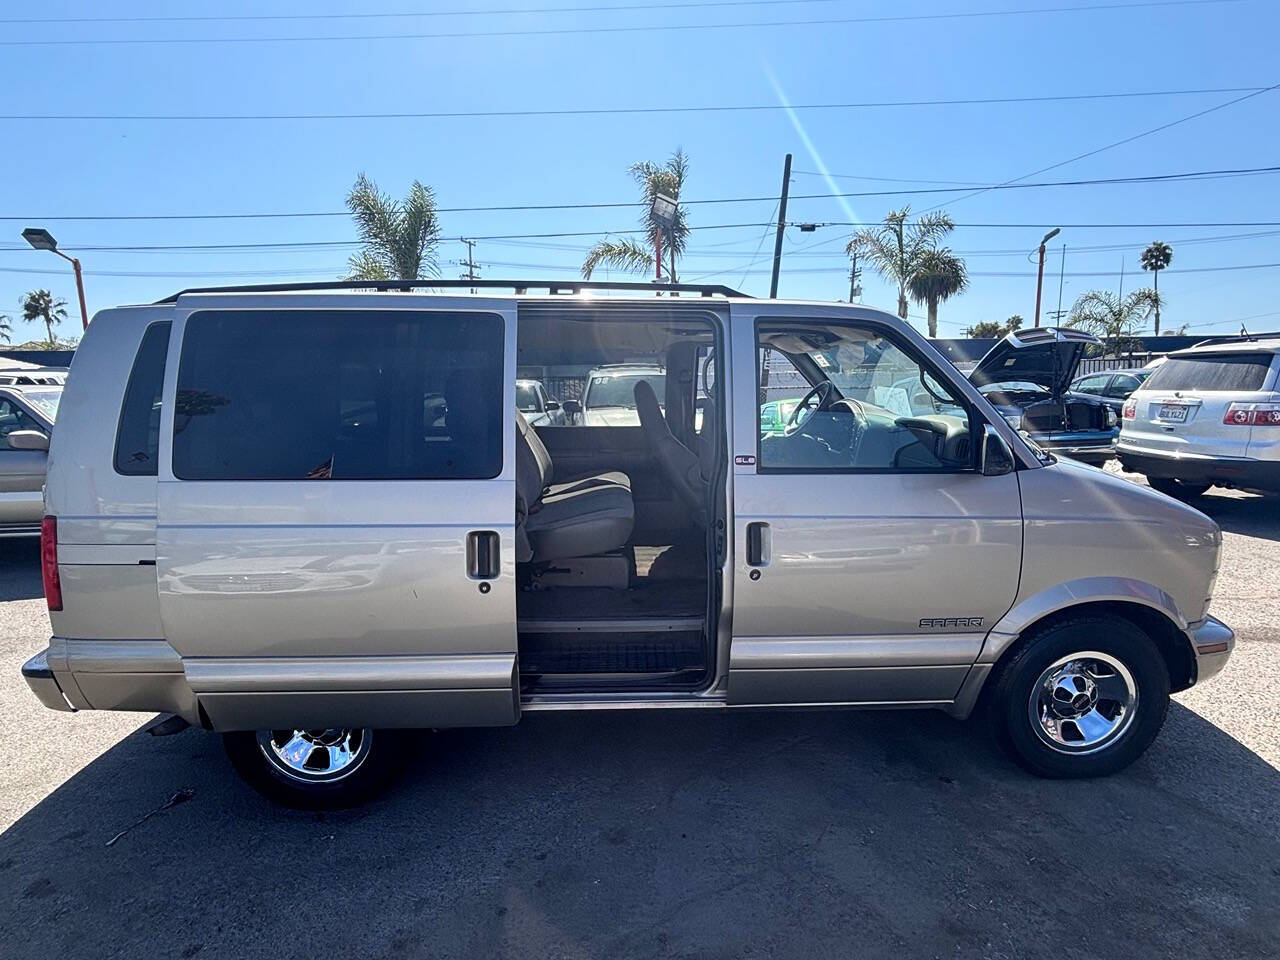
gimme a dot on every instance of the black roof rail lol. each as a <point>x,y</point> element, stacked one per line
<point>519,287</point>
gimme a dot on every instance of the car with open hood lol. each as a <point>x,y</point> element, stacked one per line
<point>1026,376</point>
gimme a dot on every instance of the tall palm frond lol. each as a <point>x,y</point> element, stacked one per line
<point>629,256</point>
<point>895,248</point>
<point>1113,319</point>
<point>6,328</point>
<point>400,238</point>
<point>41,305</point>
<point>939,276</point>
<point>635,256</point>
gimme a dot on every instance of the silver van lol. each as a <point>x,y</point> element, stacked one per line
<point>312,518</point>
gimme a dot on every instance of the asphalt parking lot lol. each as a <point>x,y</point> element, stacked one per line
<point>641,835</point>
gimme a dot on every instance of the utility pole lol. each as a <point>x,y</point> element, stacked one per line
<point>782,223</point>
<point>1062,272</point>
<point>470,262</point>
<point>1040,270</point>
<point>855,290</point>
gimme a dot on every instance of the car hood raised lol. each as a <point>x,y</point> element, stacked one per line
<point>1045,356</point>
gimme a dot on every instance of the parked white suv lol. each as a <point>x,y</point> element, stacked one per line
<point>1208,415</point>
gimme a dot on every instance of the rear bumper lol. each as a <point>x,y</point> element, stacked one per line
<point>1223,471</point>
<point>1213,642</point>
<point>40,678</point>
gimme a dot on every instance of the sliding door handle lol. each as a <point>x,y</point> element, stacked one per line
<point>483,555</point>
<point>757,544</point>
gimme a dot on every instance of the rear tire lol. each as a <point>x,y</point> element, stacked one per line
<point>1178,489</point>
<point>1081,698</point>
<point>315,769</point>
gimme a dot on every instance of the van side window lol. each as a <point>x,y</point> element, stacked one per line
<point>840,398</point>
<point>138,436</point>
<point>340,395</point>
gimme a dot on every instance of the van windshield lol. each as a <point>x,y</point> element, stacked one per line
<point>1217,371</point>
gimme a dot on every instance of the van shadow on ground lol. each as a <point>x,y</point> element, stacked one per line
<point>679,834</point>
<point>1249,514</point>
<point>20,568</point>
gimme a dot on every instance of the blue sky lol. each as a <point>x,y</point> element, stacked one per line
<point>78,168</point>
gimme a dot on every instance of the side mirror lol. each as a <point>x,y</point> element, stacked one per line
<point>572,407</point>
<point>28,440</point>
<point>997,457</point>
<point>551,406</point>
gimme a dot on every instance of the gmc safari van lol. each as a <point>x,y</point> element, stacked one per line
<point>308,519</point>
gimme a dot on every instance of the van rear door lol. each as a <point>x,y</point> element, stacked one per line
<point>336,509</point>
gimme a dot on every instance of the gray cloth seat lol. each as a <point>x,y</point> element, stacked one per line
<point>556,521</point>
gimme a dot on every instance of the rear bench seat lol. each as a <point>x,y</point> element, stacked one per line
<point>557,521</point>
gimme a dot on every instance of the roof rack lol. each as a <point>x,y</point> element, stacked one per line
<point>519,287</point>
<point>1238,338</point>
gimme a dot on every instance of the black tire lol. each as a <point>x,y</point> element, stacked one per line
<point>373,763</point>
<point>1027,672</point>
<point>1178,489</point>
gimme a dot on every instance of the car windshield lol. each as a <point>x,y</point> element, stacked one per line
<point>527,398</point>
<point>618,389</point>
<point>45,401</point>
<point>1218,371</point>
<point>1012,386</point>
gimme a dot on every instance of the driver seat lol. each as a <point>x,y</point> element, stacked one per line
<point>681,465</point>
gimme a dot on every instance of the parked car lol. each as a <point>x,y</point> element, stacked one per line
<point>608,400</point>
<point>776,414</point>
<point>538,408</point>
<point>222,543</point>
<point>1208,415</point>
<point>1112,387</point>
<point>1026,376</point>
<point>27,413</point>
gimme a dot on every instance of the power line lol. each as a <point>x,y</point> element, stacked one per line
<point>638,28</point>
<point>616,111</point>
<point>1111,146</point>
<point>613,205</point>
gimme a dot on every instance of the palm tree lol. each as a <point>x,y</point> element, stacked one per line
<point>400,238</point>
<point>1114,319</point>
<point>1155,258</point>
<point>6,328</point>
<point>940,275</point>
<point>40,305</point>
<point>634,256</point>
<point>895,249</point>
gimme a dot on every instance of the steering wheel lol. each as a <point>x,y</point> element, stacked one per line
<point>821,393</point>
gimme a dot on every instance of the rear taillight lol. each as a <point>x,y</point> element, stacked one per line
<point>1252,415</point>
<point>1130,409</point>
<point>49,562</point>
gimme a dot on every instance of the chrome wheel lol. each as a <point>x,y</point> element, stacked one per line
<point>1083,702</point>
<point>316,756</point>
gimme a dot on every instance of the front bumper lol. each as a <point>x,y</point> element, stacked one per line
<point>1222,471</point>
<point>1213,641</point>
<point>1094,448</point>
<point>40,678</point>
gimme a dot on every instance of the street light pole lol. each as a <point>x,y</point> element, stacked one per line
<point>1040,270</point>
<point>41,239</point>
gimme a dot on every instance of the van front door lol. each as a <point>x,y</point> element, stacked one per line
<point>871,556</point>
<point>336,509</point>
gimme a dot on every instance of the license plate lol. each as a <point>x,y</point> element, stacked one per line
<point>1173,411</point>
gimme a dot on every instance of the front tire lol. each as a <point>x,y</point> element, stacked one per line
<point>1082,698</point>
<point>1178,489</point>
<point>314,769</point>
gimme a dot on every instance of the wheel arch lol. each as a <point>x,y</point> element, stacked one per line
<point>1150,609</point>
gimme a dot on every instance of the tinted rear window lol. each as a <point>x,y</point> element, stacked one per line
<point>339,395</point>
<point>1234,371</point>
<point>138,437</point>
